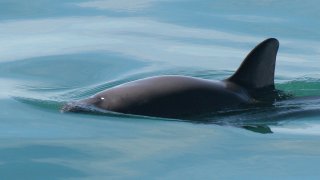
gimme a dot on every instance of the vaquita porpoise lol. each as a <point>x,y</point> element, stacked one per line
<point>173,96</point>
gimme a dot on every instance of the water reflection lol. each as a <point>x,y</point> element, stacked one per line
<point>119,5</point>
<point>144,39</point>
<point>54,51</point>
<point>137,37</point>
<point>39,162</point>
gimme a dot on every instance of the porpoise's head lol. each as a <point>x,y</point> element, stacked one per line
<point>90,104</point>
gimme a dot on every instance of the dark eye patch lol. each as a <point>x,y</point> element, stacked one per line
<point>98,100</point>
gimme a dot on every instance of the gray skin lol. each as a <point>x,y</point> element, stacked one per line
<point>168,96</point>
<point>181,96</point>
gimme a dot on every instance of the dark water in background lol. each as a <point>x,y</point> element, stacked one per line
<point>52,52</point>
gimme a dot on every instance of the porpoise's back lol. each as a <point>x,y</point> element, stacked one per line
<point>180,96</point>
<point>172,96</point>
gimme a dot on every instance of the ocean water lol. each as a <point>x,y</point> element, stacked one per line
<point>54,51</point>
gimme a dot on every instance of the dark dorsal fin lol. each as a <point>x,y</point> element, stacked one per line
<point>257,69</point>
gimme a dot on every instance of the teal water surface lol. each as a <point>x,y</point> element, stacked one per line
<point>52,52</point>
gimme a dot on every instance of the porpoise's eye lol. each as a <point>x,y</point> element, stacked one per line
<point>98,100</point>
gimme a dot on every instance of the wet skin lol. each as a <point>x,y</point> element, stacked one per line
<point>181,96</point>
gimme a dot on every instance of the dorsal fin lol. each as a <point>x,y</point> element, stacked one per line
<point>257,69</point>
